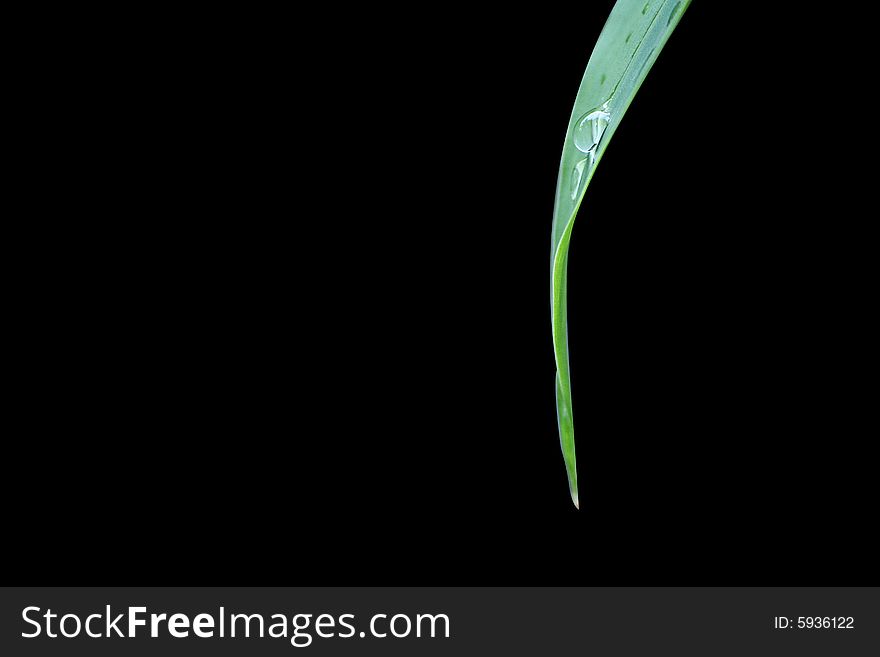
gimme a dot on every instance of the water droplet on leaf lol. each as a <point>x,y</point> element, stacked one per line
<point>673,13</point>
<point>577,175</point>
<point>645,62</point>
<point>589,129</point>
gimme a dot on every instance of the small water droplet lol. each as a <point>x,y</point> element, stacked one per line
<point>576,175</point>
<point>645,63</point>
<point>589,129</point>
<point>602,79</point>
<point>645,8</point>
<point>673,13</point>
<point>628,37</point>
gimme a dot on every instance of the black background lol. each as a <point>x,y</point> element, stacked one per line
<point>286,308</point>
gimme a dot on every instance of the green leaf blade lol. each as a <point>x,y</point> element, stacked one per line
<point>628,46</point>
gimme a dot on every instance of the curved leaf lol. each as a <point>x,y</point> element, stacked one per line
<point>632,38</point>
